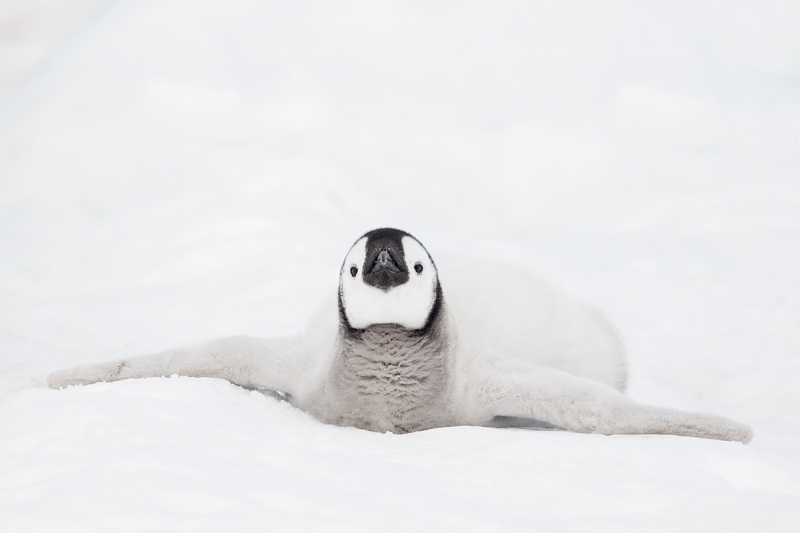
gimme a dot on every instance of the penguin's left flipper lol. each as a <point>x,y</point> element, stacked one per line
<point>585,406</point>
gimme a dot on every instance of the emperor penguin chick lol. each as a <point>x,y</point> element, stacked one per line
<point>403,351</point>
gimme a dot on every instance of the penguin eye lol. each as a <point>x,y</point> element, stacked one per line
<point>418,268</point>
<point>353,271</point>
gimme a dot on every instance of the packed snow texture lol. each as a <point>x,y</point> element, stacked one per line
<point>172,172</point>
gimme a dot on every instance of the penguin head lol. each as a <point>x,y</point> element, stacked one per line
<point>388,277</point>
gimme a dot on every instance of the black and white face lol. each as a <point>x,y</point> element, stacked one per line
<point>388,278</point>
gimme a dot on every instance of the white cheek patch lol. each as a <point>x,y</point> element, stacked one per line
<point>407,305</point>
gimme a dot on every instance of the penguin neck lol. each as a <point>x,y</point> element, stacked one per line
<point>389,378</point>
<point>391,344</point>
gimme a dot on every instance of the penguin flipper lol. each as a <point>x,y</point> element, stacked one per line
<point>274,364</point>
<point>582,405</point>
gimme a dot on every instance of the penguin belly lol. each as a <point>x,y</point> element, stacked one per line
<point>388,379</point>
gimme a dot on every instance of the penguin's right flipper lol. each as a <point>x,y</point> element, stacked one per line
<point>275,364</point>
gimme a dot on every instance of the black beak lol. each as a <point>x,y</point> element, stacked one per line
<point>384,261</point>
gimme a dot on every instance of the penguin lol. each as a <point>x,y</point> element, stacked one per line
<point>393,354</point>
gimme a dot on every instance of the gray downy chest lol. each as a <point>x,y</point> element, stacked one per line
<point>390,379</point>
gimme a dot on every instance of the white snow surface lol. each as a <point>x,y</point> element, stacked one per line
<point>177,171</point>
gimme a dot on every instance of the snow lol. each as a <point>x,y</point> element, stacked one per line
<point>172,172</point>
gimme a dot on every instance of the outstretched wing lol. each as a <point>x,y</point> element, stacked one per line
<point>276,364</point>
<point>515,389</point>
